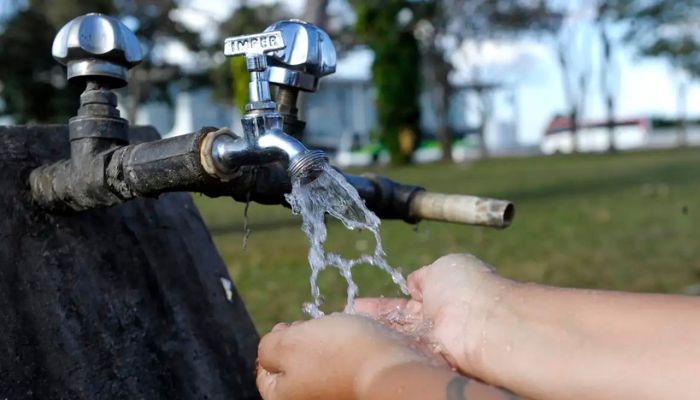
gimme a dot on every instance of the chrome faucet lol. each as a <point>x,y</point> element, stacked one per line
<point>264,140</point>
<point>104,170</point>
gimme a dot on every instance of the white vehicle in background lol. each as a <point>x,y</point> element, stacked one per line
<point>638,133</point>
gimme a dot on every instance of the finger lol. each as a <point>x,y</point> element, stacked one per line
<point>416,282</point>
<point>378,307</point>
<point>270,354</point>
<point>267,383</point>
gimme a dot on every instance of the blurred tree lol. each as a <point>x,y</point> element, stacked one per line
<point>387,28</point>
<point>316,12</point>
<point>667,29</point>
<point>607,12</point>
<point>440,26</point>
<point>432,30</point>
<point>444,25</point>
<point>664,28</point>
<point>153,23</point>
<point>34,87</point>
<point>59,12</point>
<point>573,50</point>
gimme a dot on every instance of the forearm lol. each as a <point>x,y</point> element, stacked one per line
<point>551,343</point>
<point>419,381</point>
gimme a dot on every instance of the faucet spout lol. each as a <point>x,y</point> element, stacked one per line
<point>276,141</point>
<point>302,163</point>
<point>226,153</point>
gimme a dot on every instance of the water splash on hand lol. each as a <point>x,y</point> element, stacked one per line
<point>330,193</point>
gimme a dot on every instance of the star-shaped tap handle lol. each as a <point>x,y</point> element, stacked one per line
<point>97,47</point>
<point>254,47</point>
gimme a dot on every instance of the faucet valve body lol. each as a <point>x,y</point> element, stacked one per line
<point>264,139</point>
<point>99,50</point>
<point>98,116</point>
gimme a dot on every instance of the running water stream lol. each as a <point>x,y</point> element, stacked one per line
<point>330,193</point>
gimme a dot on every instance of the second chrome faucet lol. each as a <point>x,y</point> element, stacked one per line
<point>264,139</point>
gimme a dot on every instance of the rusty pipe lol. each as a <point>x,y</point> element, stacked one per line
<point>183,163</point>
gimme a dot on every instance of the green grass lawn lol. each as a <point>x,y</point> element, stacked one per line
<point>625,221</point>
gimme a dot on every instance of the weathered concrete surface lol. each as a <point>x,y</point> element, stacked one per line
<point>124,302</point>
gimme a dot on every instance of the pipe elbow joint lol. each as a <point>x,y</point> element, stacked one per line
<point>223,153</point>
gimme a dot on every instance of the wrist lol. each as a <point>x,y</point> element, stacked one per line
<point>406,381</point>
<point>376,366</point>
<point>487,323</point>
<point>506,333</point>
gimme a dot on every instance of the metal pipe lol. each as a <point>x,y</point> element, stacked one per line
<point>151,168</point>
<point>462,209</point>
<point>179,164</point>
<point>286,100</point>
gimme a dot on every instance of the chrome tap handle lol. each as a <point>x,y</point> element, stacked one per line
<point>97,46</point>
<point>254,47</point>
<point>309,55</point>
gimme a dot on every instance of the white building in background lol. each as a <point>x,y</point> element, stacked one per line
<point>629,134</point>
<point>191,110</point>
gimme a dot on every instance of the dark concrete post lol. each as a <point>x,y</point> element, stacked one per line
<point>121,302</point>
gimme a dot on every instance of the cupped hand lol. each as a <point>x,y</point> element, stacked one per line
<point>332,357</point>
<point>450,303</point>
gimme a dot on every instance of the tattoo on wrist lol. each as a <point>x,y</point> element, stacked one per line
<point>511,395</point>
<point>457,385</point>
<point>455,388</point>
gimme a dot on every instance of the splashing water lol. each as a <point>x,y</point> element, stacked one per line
<point>331,194</point>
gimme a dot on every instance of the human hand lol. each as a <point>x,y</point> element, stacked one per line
<point>332,357</point>
<point>451,299</point>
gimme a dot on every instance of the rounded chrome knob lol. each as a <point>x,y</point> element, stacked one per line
<point>309,55</point>
<point>96,45</point>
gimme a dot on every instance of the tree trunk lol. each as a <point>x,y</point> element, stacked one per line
<point>610,107</point>
<point>574,130</point>
<point>573,100</point>
<point>441,71</point>
<point>484,116</point>
<point>607,87</point>
<point>682,102</point>
<point>315,12</point>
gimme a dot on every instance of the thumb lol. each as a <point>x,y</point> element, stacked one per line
<point>416,283</point>
<point>268,383</point>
